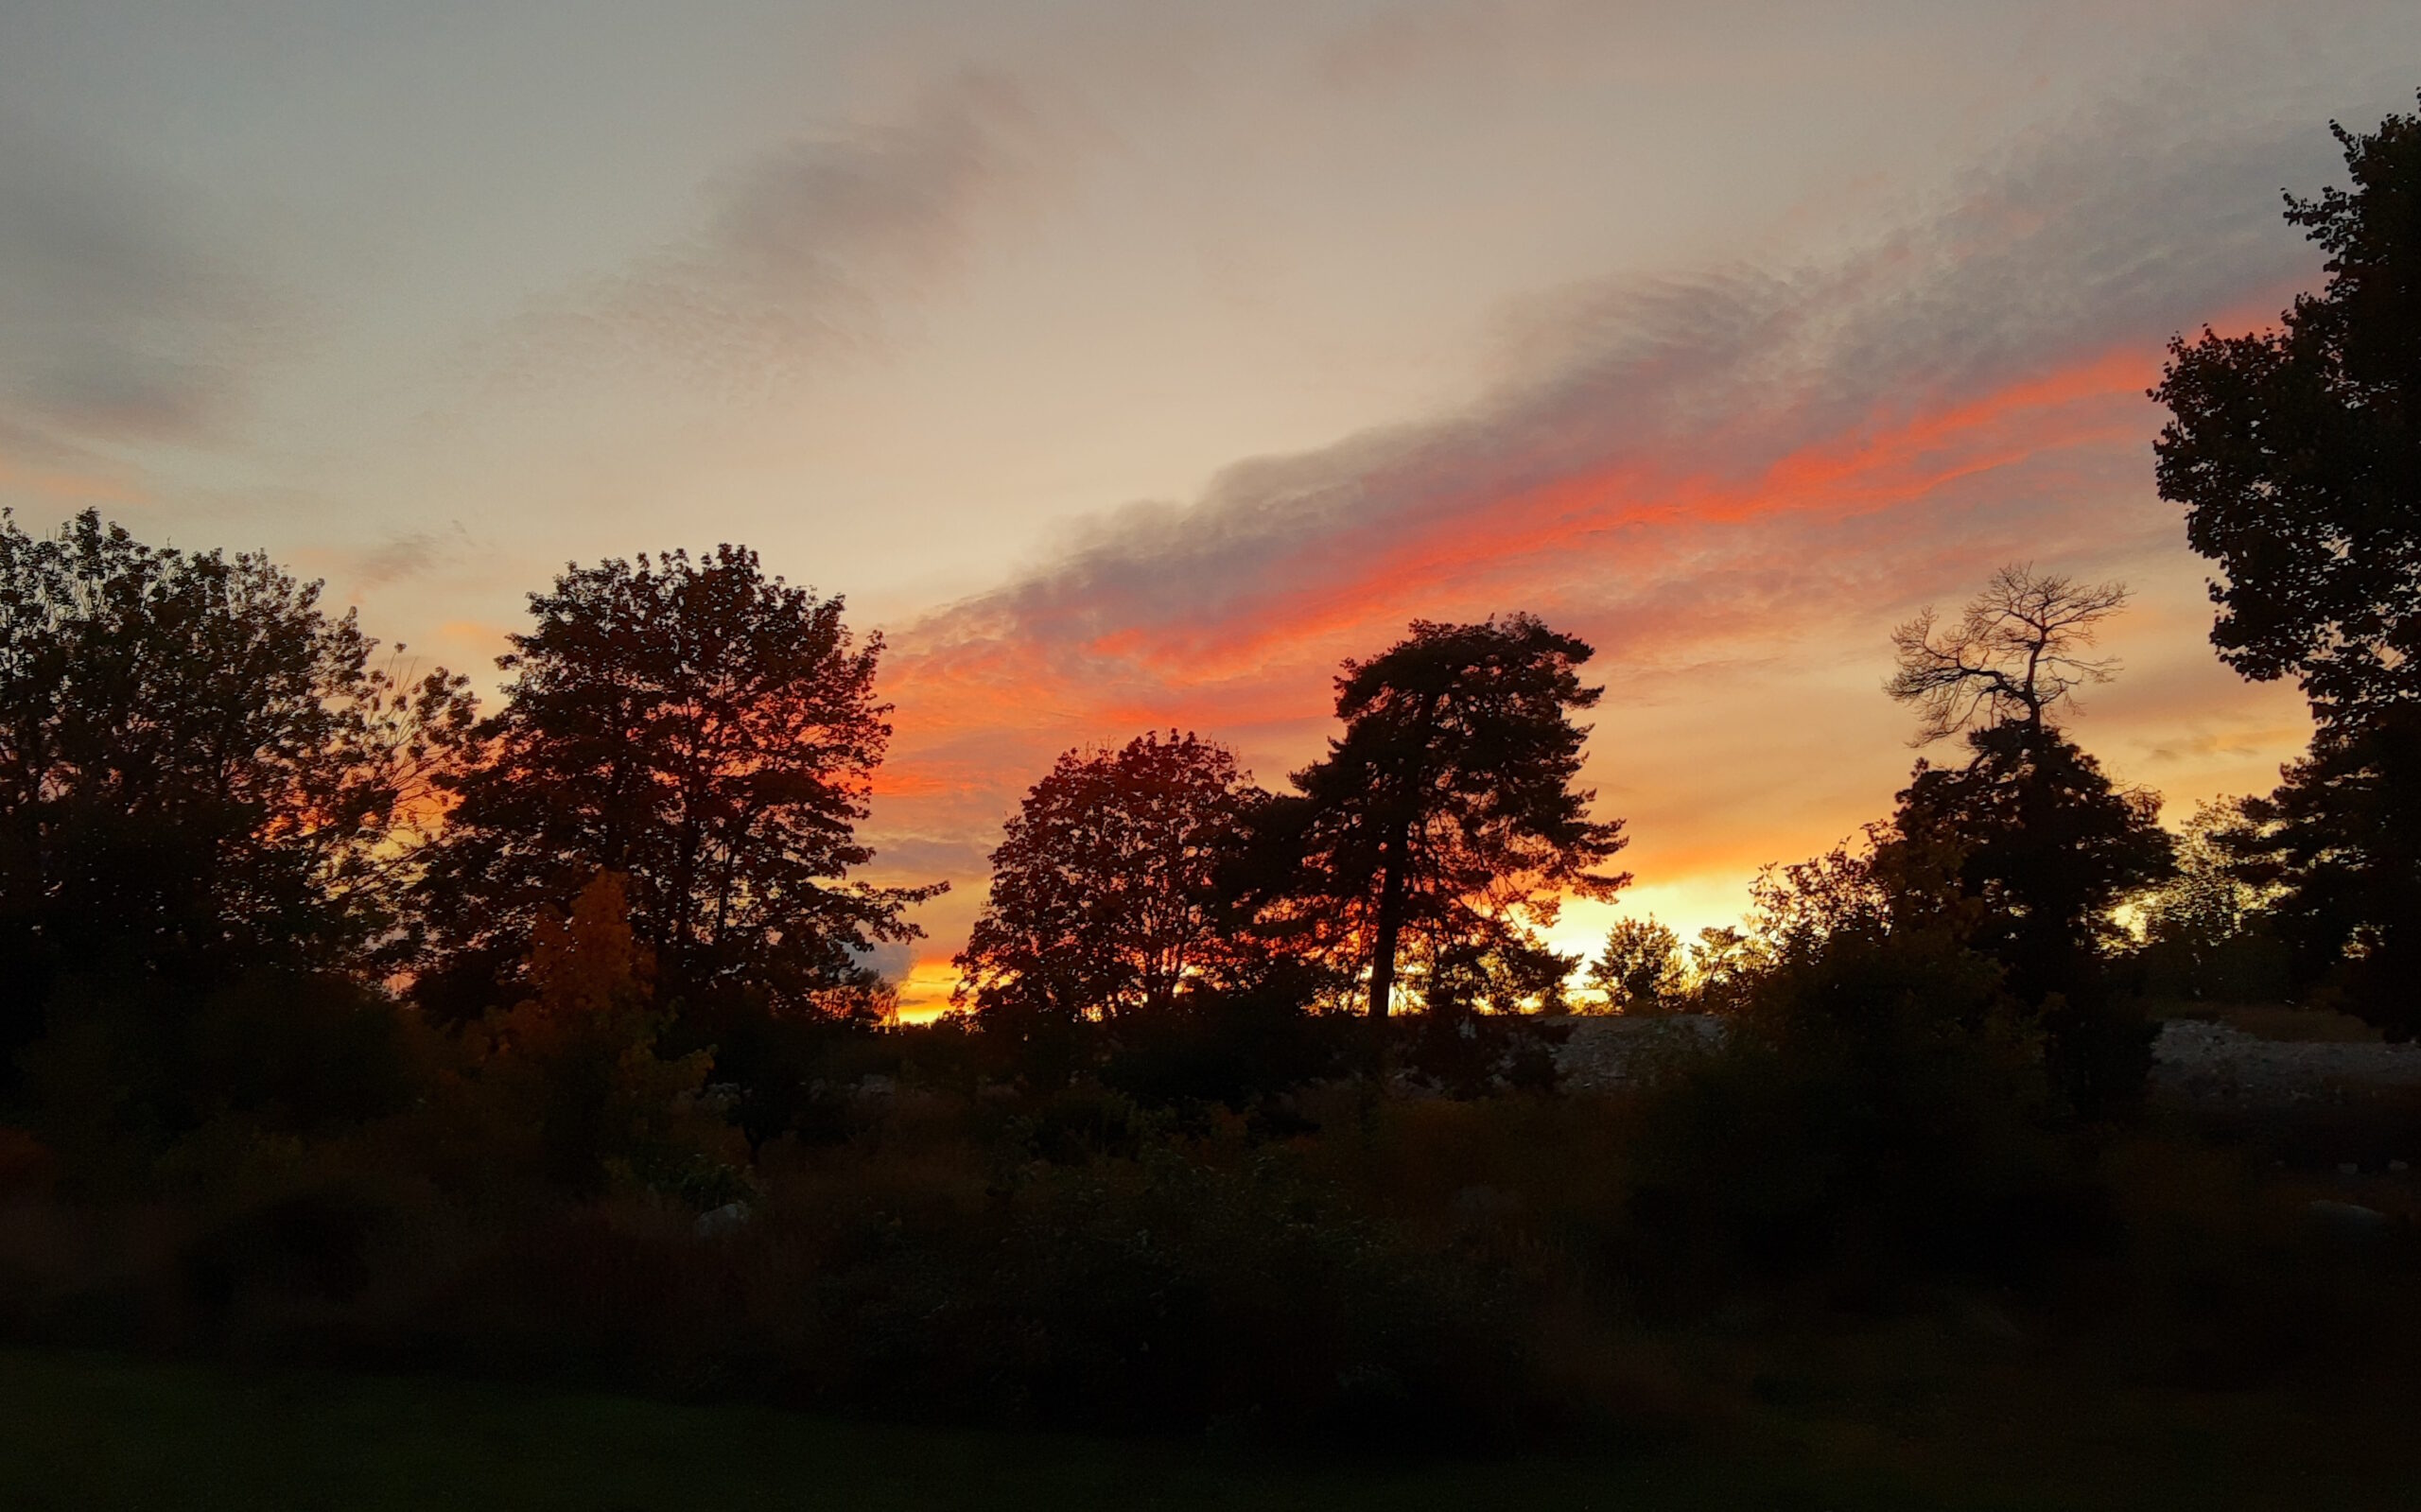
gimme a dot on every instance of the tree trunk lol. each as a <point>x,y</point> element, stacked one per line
<point>1390,923</point>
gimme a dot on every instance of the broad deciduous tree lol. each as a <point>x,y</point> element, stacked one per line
<point>1641,968</point>
<point>201,771</point>
<point>1107,889</point>
<point>2297,452</point>
<point>2297,455</point>
<point>2212,930</point>
<point>704,730</point>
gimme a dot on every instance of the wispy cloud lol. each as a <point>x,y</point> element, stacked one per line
<point>2028,316</point>
<point>799,255</point>
<point>407,555</point>
<point>121,317</point>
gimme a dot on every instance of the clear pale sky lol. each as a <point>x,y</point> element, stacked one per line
<point>1128,364</point>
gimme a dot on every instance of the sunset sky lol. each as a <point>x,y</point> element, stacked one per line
<point>1129,364</point>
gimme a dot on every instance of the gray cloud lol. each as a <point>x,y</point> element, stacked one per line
<point>409,554</point>
<point>2138,223</point>
<point>1386,48</point>
<point>797,254</point>
<point>121,317</point>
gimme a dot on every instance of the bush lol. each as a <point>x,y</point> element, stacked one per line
<point>1237,1048</point>
<point>1169,1286</point>
<point>302,1055</point>
<point>1170,1293</point>
<point>1467,1054</point>
<point>1879,1116</point>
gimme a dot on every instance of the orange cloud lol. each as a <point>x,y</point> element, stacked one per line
<point>985,698</point>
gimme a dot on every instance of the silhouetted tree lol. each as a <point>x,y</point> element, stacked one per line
<point>1795,908</point>
<point>2044,846</point>
<point>2049,849</point>
<point>2297,452</point>
<point>1445,816</point>
<point>201,775</point>
<point>1724,963</point>
<point>1105,892</point>
<point>2013,657</point>
<point>707,732</point>
<point>2297,455</point>
<point>1641,970</point>
<point>2339,841</point>
<point>2210,931</point>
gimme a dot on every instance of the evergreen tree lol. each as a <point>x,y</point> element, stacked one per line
<point>1444,819</point>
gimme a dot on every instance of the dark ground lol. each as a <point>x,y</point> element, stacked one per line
<point>81,1431</point>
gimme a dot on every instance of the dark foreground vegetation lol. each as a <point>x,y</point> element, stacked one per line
<point>87,1433</point>
<point>349,1028</point>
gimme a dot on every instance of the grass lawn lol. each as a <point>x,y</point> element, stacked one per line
<point>90,1432</point>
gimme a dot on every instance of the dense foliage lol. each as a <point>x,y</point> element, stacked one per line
<point>2030,847</point>
<point>1444,822</point>
<point>1641,969</point>
<point>2297,455</point>
<point>707,732</point>
<point>1107,890</point>
<point>203,776</point>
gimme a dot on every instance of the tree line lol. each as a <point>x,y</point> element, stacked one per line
<point>230,822</point>
<point>1418,860</point>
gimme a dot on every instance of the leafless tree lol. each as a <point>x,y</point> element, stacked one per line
<point>2012,657</point>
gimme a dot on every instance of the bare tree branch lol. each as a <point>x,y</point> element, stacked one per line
<point>2013,657</point>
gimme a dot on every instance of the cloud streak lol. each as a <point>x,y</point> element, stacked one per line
<point>799,255</point>
<point>1729,482</point>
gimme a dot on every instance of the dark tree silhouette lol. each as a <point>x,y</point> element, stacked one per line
<point>1107,892</point>
<point>2297,455</point>
<point>202,774</point>
<point>2046,847</point>
<point>2049,848</point>
<point>1445,816</point>
<point>2297,452</point>
<point>2013,657</point>
<point>1796,908</point>
<point>2210,932</point>
<point>707,732</point>
<point>2339,844</point>
<point>1642,969</point>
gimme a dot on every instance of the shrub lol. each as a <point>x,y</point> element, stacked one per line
<point>1237,1048</point>
<point>1879,1114</point>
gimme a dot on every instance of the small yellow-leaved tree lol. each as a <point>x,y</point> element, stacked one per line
<point>579,1061</point>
